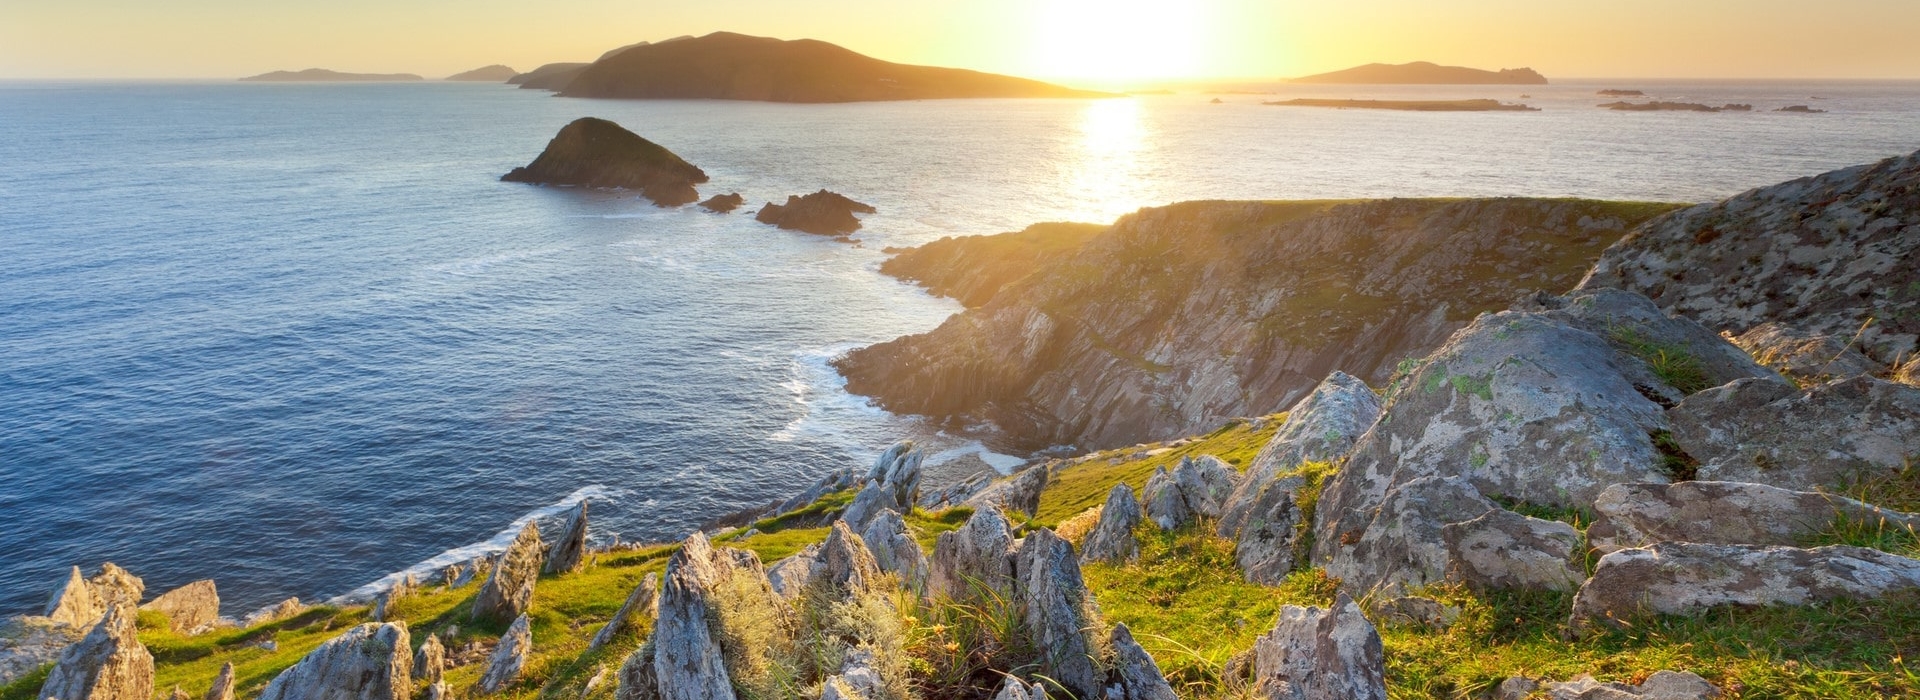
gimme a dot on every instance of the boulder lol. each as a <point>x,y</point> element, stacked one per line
<point>1674,578</point>
<point>1404,545</point>
<point>689,657</point>
<point>508,592</point>
<point>593,152</point>
<point>637,681</point>
<point>1698,357</point>
<point>190,609</point>
<point>276,612</point>
<point>1805,356</point>
<point>872,500</point>
<point>1205,483</point>
<point>1502,549</point>
<point>509,658</point>
<point>789,576</point>
<point>723,203</point>
<point>1824,436</point>
<point>1058,614</point>
<point>369,662</point>
<point>821,213</point>
<point>1270,526</point>
<point>845,566</point>
<point>643,601</point>
<point>222,687</point>
<point>1662,685</point>
<point>1135,676</point>
<point>1165,505</point>
<point>1321,654</point>
<point>1112,539</point>
<point>978,554</point>
<point>1015,689</point>
<point>1020,492</point>
<point>1320,428</point>
<point>1721,512</point>
<point>430,661</point>
<point>108,664</point>
<point>567,553</point>
<point>895,550</point>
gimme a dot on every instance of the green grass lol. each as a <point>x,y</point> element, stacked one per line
<point>1084,482</point>
<point>1671,363</point>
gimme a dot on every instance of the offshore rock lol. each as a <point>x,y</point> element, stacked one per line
<point>593,152</point>
<point>567,552</point>
<point>1112,539</point>
<point>822,213</point>
<point>1205,483</point>
<point>369,662</point>
<point>1165,505</point>
<point>723,203</point>
<point>643,601</point>
<point>1269,531</point>
<point>1662,685</point>
<point>222,688</point>
<point>1135,675</point>
<point>430,661</point>
<point>1720,512</point>
<point>276,612</point>
<point>1015,689</point>
<point>509,658</point>
<point>1058,614</point>
<point>108,664</point>
<point>191,608</point>
<point>508,592</point>
<point>1315,654</point>
<point>978,553</point>
<point>1805,356</point>
<point>1320,428</point>
<point>1825,436</point>
<point>1822,253</point>
<point>895,550</point>
<point>1672,578</point>
<point>1506,550</point>
<point>1019,492</point>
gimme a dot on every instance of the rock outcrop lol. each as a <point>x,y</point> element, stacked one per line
<point>1019,492</point>
<point>593,152</point>
<point>509,658</point>
<point>895,550</point>
<point>430,661</point>
<point>81,602</point>
<point>1823,254</point>
<point>508,592</point>
<point>1720,512</point>
<point>1315,654</point>
<point>1267,544</point>
<point>1165,505</point>
<point>369,662</point>
<point>1058,614</point>
<point>704,589</point>
<point>1135,676</point>
<point>1823,437</point>
<point>843,564</point>
<point>1680,578</point>
<point>1807,357</point>
<point>383,604</point>
<point>190,609</point>
<point>1506,550</point>
<point>222,687</point>
<point>971,269</point>
<point>283,610</point>
<point>1662,685</point>
<point>1112,539</point>
<point>643,601</point>
<point>1230,309</point>
<point>977,554</point>
<point>570,550</point>
<point>29,643</point>
<point>110,663</point>
<point>1320,428</point>
<point>723,203</point>
<point>1205,483</point>
<point>822,213</point>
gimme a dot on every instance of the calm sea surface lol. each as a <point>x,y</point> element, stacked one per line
<point>298,337</point>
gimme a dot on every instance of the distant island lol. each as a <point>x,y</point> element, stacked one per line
<point>495,73</point>
<point>322,75</point>
<point>728,66</point>
<point>1674,107</point>
<point>1424,73</point>
<point>1621,93</point>
<point>1411,105</point>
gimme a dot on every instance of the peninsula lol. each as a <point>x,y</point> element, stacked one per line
<point>1424,73</point>
<point>495,73</point>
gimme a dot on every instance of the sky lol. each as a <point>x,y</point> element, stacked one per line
<point>1086,42</point>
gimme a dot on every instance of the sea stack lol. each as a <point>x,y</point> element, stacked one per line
<point>821,213</point>
<point>598,153</point>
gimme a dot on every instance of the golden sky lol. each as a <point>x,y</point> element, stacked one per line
<point>1095,42</point>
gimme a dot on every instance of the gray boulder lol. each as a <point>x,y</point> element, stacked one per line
<point>430,661</point>
<point>1825,436</point>
<point>977,555</point>
<point>509,658</point>
<point>108,664</point>
<point>1265,544</point>
<point>1058,614</point>
<point>643,601</point>
<point>1316,654</point>
<point>222,688</point>
<point>570,550</point>
<point>1020,492</point>
<point>369,662</point>
<point>1112,538</point>
<point>1320,428</point>
<point>844,565</point>
<point>1404,545</point>
<point>1721,512</point>
<point>1165,505</point>
<point>1205,482</point>
<point>1803,355</point>
<point>1135,675</point>
<point>689,661</point>
<point>283,610</point>
<point>1015,689</point>
<point>898,470</point>
<point>1502,549</point>
<point>1662,685</point>
<point>895,550</point>
<point>789,576</point>
<point>872,500</point>
<point>508,592</point>
<point>1673,578</point>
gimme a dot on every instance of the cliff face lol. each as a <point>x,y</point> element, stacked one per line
<point>971,269</point>
<point>1822,254</point>
<point>1179,317</point>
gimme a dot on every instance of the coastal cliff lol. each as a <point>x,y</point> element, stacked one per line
<point>970,269</point>
<point>1179,317</point>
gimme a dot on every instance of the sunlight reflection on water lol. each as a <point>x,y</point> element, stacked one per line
<point>1105,176</point>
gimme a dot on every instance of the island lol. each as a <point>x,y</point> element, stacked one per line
<point>723,203</point>
<point>728,66</point>
<point>322,75</point>
<point>1424,73</point>
<point>593,152</point>
<point>1674,107</point>
<point>495,73</point>
<point>822,213</point>
<point>1801,109</point>
<point>552,76</point>
<point>1620,93</point>
<point>1481,105</point>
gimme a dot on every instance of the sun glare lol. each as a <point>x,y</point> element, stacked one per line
<point>1116,41</point>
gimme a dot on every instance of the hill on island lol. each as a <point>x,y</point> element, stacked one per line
<point>728,66</point>
<point>495,73</point>
<point>1424,73</point>
<point>322,75</point>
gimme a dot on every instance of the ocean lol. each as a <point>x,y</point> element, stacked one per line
<point>296,338</point>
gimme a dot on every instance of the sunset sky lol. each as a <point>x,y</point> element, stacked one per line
<point>1085,41</point>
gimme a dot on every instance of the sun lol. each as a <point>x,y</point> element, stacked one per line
<point>1118,41</point>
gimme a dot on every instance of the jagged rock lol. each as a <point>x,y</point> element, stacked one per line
<point>430,661</point>
<point>116,585</point>
<point>723,203</point>
<point>1015,689</point>
<point>1165,505</point>
<point>827,484</point>
<point>369,662</point>
<point>28,643</point>
<point>789,576</point>
<point>1805,356</point>
<point>1662,685</point>
<point>844,563</point>
<point>222,688</point>
<point>567,552</point>
<point>1320,428</point>
<point>1135,675</point>
<point>593,152</point>
<point>1316,654</point>
<point>190,608</point>
<point>1720,512</point>
<point>439,691</point>
<point>896,551</point>
<point>76,603</point>
<point>977,554</point>
<point>1680,578</point>
<point>1825,436</point>
<point>403,588</point>
<point>1205,483</point>
<point>637,681</point>
<point>898,468</point>
<point>1507,550</point>
<point>643,601</point>
<point>509,658</point>
<point>276,612</point>
<point>1058,614</point>
<point>688,659</point>
<point>1020,492</point>
<point>958,493</point>
<point>1822,253</point>
<point>1112,539</point>
<point>1404,545</point>
<point>108,664</point>
<point>1270,526</point>
<point>868,504</point>
<point>821,213</point>
<point>1416,611</point>
<point>508,592</point>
